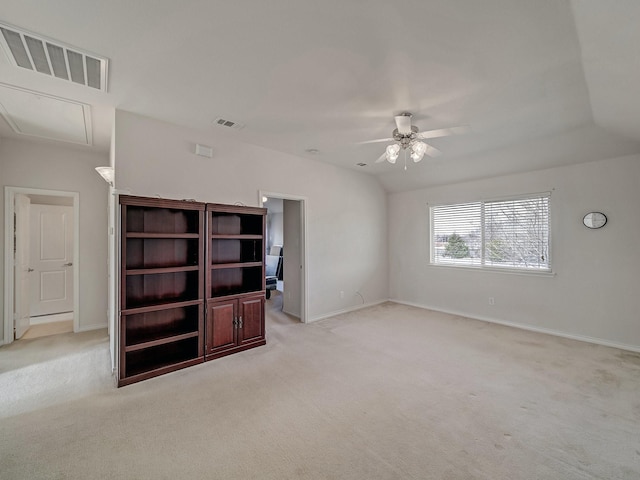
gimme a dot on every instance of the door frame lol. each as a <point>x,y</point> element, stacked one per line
<point>304,310</point>
<point>9,212</point>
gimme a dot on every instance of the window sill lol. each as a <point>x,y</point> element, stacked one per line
<point>507,271</point>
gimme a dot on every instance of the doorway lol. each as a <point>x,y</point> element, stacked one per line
<point>286,234</point>
<point>41,262</point>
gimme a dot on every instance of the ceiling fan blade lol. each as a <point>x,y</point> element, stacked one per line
<point>444,132</point>
<point>432,151</point>
<point>381,158</point>
<point>403,122</point>
<point>379,140</point>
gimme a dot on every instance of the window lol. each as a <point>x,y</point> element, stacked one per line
<point>512,234</point>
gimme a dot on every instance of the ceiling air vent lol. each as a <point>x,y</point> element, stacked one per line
<point>35,52</point>
<point>225,122</point>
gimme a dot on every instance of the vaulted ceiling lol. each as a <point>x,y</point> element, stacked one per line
<point>541,83</point>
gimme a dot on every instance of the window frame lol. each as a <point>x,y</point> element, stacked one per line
<point>494,268</point>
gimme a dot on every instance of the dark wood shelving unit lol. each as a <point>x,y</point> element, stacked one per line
<point>162,288</point>
<point>235,279</point>
<point>192,284</point>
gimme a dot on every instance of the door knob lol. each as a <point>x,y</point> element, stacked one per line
<point>68,264</point>
<point>29,269</point>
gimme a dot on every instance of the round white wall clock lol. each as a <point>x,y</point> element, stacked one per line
<point>594,220</point>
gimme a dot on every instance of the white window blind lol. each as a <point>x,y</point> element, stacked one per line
<point>457,234</point>
<point>511,233</point>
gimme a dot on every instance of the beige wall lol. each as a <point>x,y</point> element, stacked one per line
<point>346,210</point>
<point>594,293</point>
<point>52,167</point>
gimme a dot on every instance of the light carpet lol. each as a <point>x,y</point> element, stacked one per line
<point>388,392</point>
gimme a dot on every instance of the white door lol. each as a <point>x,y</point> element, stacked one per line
<point>51,259</point>
<point>21,265</point>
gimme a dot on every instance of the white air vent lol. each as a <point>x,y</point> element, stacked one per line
<point>225,122</point>
<point>40,54</point>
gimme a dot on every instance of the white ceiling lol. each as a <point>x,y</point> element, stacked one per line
<point>541,83</point>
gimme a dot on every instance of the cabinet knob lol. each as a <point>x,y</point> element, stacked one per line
<point>240,322</point>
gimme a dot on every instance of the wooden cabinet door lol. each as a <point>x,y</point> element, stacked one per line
<point>252,314</point>
<point>221,326</point>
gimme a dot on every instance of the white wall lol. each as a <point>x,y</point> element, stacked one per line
<point>594,293</point>
<point>292,259</point>
<point>346,210</point>
<point>274,229</point>
<point>51,167</point>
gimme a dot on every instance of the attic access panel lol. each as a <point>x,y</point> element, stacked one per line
<point>44,116</point>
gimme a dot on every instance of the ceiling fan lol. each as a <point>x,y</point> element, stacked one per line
<point>408,137</point>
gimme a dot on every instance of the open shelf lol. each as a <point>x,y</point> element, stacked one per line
<point>160,341</point>
<point>160,356</point>
<point>143,328</point>
<point>160,306</point>
<point>149,271</point>
<point>237,280</point>
<point>236,251</point>
<point>236,224</point>
<point>162,288</point>
<point>238,237</point>
<point>236,265</point>
<point>161,235</point>
<point>161,220</point>
<point>161,252</point>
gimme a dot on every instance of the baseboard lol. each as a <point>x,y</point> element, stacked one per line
<point>291,314</point>
<point>347,310</point>
<point>87,328</point>
<point>548,331</point>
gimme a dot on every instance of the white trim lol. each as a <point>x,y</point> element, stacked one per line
<point>530,328</point>
<point>501,270</point>
<point>96,326</point>
<point>291,314</point>
<point>113,307</point>
<point>9,211</point>
<point>304,313</point>
<point>499,198</point>
<point>349,309</point>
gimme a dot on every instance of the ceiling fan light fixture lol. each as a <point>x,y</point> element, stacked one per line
<point>392,152</point>
<point>418,150</point>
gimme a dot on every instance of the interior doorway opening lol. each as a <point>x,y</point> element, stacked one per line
<point>286,252</point>
<point>41,263</point>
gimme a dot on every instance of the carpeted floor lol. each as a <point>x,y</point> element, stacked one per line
<point>388,392</point>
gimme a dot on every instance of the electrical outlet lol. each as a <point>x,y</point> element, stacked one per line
<point>341,293</point>
<point>492,301</point>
